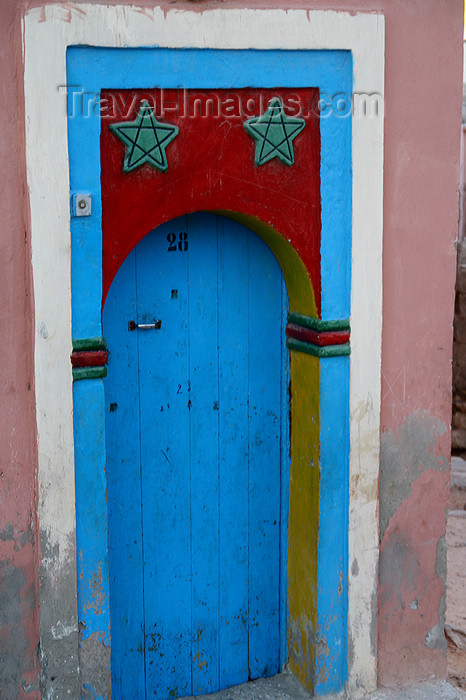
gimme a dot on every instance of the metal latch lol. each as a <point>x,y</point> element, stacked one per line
<point>132,325</point>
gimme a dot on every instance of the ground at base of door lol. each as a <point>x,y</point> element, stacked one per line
<point>455,627</point>
<point>285,686</point>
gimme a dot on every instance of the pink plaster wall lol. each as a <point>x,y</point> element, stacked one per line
<point>19,636</point>
<point>422,137</point>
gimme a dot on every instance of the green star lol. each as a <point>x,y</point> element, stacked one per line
<point>146,140</point>
<point>274,132</point>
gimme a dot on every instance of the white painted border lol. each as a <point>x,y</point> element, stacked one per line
<point>56,27</point>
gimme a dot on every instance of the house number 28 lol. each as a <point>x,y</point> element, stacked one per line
<point>182,241</point>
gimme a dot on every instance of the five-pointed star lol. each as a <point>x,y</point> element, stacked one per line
<point>274,132</point>
<point>146,140</point>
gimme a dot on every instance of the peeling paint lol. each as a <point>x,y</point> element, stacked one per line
<point>58,629</point>
<point>8,534</point>
<point>411,639</point>
<point>350,651</point>
<point>27,536</point>
<point>30,686</point>
<point>13,641</point>
<point>373,626</point>
<point>322,651</point>
<point>403,459</point>
<point>435,637</point>
<point>96,600</point>
<point>441,559</point>
<point>398,568</point>
<point>302,650</point>
<point>322,648</point>
<point>42,331</point>
<point>94,660</point>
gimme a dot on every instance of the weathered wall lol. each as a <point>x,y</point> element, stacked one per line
<point>420,227</point>
<point>422,131</point>
<point>458,424</point>
<point>458,436</point>
<point>18,553</point>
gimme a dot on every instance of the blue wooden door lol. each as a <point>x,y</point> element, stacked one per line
<point>197,461</point>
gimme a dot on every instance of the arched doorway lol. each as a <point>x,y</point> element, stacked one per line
<point>127,205</point>
<point>197,443</point>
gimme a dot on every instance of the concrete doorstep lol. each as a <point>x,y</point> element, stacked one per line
<point>285,686</point>
<point>455,627</point>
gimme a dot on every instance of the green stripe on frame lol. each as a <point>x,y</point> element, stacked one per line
<point>316,350</point>
<point>316,324</point>
<point>89,344</point>
<point>88,373</point>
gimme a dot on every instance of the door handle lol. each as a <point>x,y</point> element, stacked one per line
<point>156,325</point>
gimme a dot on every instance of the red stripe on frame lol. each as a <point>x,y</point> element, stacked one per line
<point>89,358</point>
<point>320,338</point>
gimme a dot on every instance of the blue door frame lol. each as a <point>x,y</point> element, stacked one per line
<point>331,71</point>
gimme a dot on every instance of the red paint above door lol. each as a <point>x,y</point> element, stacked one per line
<point>211,167</point>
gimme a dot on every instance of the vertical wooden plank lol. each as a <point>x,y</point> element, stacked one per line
<point>285,450</point>
<point>163,377</point>
<point>124,487</point>
<point>203,354</point>
<point>91,510</point>
<point>264,459</point>
<point>233,451</point>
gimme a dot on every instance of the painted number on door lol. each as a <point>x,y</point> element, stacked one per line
<point>182,242</point>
